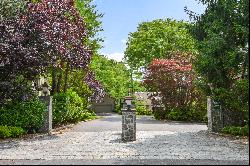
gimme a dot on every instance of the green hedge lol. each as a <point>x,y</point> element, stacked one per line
<point>69,107</point>
<point>13,132</point>
<point>237,131</point>
<point>28,115</point>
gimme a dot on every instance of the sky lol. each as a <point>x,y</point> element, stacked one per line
<point>122,17</point>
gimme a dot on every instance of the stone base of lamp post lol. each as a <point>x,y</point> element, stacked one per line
<point>128,125</point>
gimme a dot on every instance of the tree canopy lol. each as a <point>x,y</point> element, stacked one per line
<point>222,32</point>
<point>114,76</point>
<point>157,39</point>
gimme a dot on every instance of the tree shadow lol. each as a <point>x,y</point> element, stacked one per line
<point>15,142</point>
<point>147,120</point>
<point>189,145</point>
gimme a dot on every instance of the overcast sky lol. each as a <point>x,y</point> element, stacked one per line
<point>123,16</point>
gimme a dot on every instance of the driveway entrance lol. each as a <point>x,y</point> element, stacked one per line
<point>99,141</point>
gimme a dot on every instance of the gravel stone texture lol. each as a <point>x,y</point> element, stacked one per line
<point>101,139</point>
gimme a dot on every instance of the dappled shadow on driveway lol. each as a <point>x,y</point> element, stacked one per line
<point>143,123</point>
<point>145,120</point>
<point>106,114</point>
<point>186,146</point>
<point>15,142</point>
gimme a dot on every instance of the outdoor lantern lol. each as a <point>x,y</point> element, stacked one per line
<point>45,88</point>
<point>128,100</point>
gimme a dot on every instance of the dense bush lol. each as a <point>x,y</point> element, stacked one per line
<point>141,108</point>
<point>69,107</point>
<point>118,107</point>
<point>195,111</point>
<point>160,113</point>
<point>27,115</point>
<point>235,99</point>
<point>13,132</point>
<point>240,131</point>
<point>188,114</point>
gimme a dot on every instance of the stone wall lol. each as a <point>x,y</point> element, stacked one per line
<point>219,117</point>
<point>232,118</point>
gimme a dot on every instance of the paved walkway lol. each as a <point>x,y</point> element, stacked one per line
<point>99,142</point>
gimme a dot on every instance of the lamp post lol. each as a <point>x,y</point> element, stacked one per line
<point>128,121</point>
<point>47,100</point>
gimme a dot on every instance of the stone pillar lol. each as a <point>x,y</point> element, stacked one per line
<point>128,124</point>
<point>214,114</point>
<point>209,114</point>
<point>47,123</point>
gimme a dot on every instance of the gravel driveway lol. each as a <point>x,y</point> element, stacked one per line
<point>98,140</point>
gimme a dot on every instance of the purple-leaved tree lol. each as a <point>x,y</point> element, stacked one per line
<point>48,36</point>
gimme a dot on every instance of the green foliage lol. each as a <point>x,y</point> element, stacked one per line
<point>88,11</point>
<point>237,97</point>
<point>222,33</point>
<point>13,132</point>
<point>114,76</point>
<point>141,108</point>
<point>157,39</point>
<point>4,132</point>
<point>11,8</point>
<point>77,84</point>
<point>118,108</point>
<point>69,108</point>
<point>177,115</point>
<point>28,115</point>
<point>237,131</point>
<point>160,113</point>
<point>194,112</point>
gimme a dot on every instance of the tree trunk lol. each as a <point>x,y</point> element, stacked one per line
<point>54,83</point>
<point>66,78</point>
<point>59,82</point>
<point>245,72</point>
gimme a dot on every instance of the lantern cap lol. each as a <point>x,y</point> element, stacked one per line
<point>128,98</point>
<point>45,84</point>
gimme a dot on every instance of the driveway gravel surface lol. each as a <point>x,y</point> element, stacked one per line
<point>99,142</point>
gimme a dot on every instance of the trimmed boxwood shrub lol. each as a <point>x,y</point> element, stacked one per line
<point>28,115</point>
<point>13,132</point>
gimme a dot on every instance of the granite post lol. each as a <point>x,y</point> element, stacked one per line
<point>47,123</point>
<point>214,114</point>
